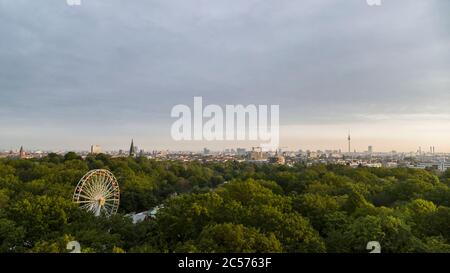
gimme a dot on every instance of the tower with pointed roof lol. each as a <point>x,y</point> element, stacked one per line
<point>22,152</point>
<point>132,149</point>
<point>349,142</point>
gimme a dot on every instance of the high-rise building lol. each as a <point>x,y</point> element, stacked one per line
<point>96,149</point>
<point>370,149</point>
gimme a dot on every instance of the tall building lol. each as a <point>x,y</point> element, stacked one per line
<point>370,149</point>
<point>22,152</point>
<point>96,149</point>
<point>132,149</point>
<point>349,143</point>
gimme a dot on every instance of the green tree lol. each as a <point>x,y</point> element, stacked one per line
<point>231,238</point>
<point>42,216</point>
<point>11,236</point>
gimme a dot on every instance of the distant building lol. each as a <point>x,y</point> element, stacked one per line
<point>142,216</point>
<point>370,149</point>
<point>337,155</point>
<point>241,151</point>
<point>96,149</point>
<point>438,165</point>
<point>312,154</point>
<point>206,151</point>
<point>373,165</point>
<point>22,153</point>
<point>132,149</point>
<point>391,164</point>
<point>277,159</point>
<point>256,154</point>
<point>138,217</point>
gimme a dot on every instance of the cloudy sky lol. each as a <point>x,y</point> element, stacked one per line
<point>111,70</point>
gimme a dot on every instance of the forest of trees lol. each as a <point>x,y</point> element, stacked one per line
<point>225,207</point>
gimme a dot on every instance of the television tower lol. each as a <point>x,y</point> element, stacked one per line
<point>349,143</point>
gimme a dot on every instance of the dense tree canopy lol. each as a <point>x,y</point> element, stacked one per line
<point>224,207</point>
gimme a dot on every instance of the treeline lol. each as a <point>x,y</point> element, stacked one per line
<point>225,207</point>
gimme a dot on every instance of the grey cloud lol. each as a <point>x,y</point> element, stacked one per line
<point>108,63</point>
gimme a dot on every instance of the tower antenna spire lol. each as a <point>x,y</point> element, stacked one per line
<point>349,142</point>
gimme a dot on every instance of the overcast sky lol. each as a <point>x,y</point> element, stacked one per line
<point>111,70</point>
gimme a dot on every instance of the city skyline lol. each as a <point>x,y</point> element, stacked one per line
<point>98,148</point>
<point>103,73</point>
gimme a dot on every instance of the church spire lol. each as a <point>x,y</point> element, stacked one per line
<point>132,148</point>
<point>22,152</point>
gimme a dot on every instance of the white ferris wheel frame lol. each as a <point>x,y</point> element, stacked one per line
<point>98,192</point>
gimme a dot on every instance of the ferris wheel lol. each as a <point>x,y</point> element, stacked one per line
<point>98,192</point>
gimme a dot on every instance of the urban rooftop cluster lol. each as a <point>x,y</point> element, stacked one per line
<point>369,158</point>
